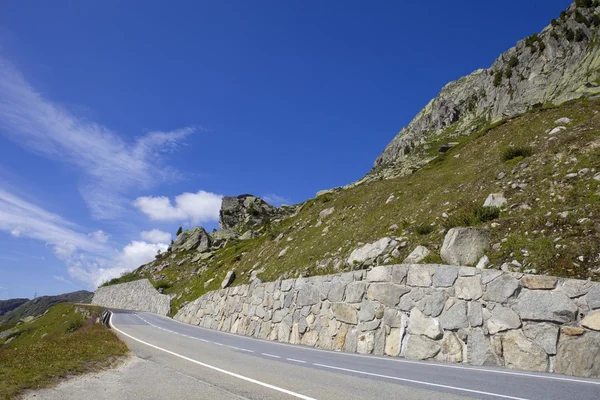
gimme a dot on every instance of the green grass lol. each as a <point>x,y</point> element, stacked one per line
<point>455,184</point>
<point>59,344</point>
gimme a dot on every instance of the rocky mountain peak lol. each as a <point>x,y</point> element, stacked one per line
<point>559,64</point>
<point>244,212</point>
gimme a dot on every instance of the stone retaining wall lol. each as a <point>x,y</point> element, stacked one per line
<point>137,295</point>
<point>422,312</point>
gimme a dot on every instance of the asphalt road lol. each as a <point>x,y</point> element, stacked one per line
<point>219,365</point>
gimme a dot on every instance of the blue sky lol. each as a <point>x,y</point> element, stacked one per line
<point>121,121</point>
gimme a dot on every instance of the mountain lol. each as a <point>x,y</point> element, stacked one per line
<point>39,305</point>
<point>560,63</point>
<point>10,304</point>
<point>510,152</point>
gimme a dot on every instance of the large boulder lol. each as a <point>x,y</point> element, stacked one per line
<point>579,355</point>
<point>520,353</point>
<point>244,212</point>
<point>192,239</point>
<point>370,252</point>
<point>537,305</point>
<point>464,246</point>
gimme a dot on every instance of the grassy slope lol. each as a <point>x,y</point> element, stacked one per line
<point>54,346</point>
<point>456,183</point>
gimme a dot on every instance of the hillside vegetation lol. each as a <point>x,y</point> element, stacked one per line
<point>63,342</point>
<point>550,224</point>
<point>39,305</point>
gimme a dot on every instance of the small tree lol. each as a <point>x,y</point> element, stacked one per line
<point>513,61</point>
<point>179,231</point>
<point>498,77</point>
<point>569,34</point>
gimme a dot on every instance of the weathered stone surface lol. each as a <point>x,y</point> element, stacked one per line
<point>336,291</point>
<point>419,276</point>
<point>454,316</point>
<point>445,276</point>
<point>475,314</point>
<point>368,254</point>
<point>579,355</point>
<point>593,297</point>
<point>393,342</point>
<point>417,255</point>
<point>345,313</point>
<point>543,334</point>
<point>367,311</point>
<point>355,292</point>
<point>386,293</point>
<point>192,239</point>
<point>468,288</point>
<point>480,351</point>
<point>521,353</point>
<point>545,306</point>
<point>394,318</point>
<point>238,214</point>
<point>592,321</point>
<point>495,200</point>
<point>379,274</point>
<point>539,282</point>
<point>501,289</point>
<point>503,319</point>
<point>229,278</point>
<point>464,246</point>
<point>452,348</point>
<point>571,330</point>
<point>399,273</point>
<point>420,324</point>
<point>576,288</point>
<point>137,295</point>
<point>421,348</point>
<point>308,295</point>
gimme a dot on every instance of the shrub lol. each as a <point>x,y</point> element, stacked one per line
<point>579,17</point>
<point>541,46</point>
<point>162,284</point>
<point>555,22</point>
<point>584,3</point>
<point>563,15</point>
<point>513,61</point>
<point>595,20</point>
<point>554,35</point>
<point>569,34</point>
<point>508,72</point>
<point>512,152</point>
<point>424,229</point>
<point>484,214</point>
<point>179,231</point>
<point>580,36</point>
<point>498,78</point>
<point>75,325</point>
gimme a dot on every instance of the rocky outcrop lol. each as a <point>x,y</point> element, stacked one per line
<point>559,64</point>
<point>464,246</point>
<point>192,239</point>
<point>424,312</point>
<point>137,295</point>
<point>244,212</point>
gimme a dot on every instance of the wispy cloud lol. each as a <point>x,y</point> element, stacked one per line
<point>192,207</point>
<point>88,259</point>
<point>111,166</point>
<point>276,200</point>
<point>156,236</point>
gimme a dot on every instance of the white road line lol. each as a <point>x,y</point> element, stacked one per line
<point>294,360</point>
<point>249,351</point>
<point>218,344</point>
<point>245,378</point>
<point>420,382</point>
<point>270,355</point>
<point>233,347</point>
<point>395,359</point>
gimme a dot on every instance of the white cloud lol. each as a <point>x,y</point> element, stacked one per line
<point>99,236</point>
<point>87,259</point>
<point>276,200</point>
<point>15,232</point>
<point>193,207</point>
<point>110,165</point>
<point>61,278</point>
<point>156,236</point>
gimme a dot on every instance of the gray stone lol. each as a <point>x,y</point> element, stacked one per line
<point>138,295</point>
<point>386,293</point>
<point>433,304</point>
<point>379,274</point>
<point>344,313</point>
<point>545,306</point>
<point>366,342</point>
<point>420,324</point>
<point>421,348</point>
<point>452,348</point>
<point>336,291</point>
<point>501,289</point>
<point>469,288</point>
<point>326,212</point>
<point>542,334</point>
<point>394,318</point>
<point>228,279</point>
<point>192,239</point>
<point>417,255</point>
<point>308,295</point>
<point>502,319</point>
<point>571,360</point>
<point>355,292</point>
<point>369,326</point>
<point>495,200</point>
<point>593,297</point>
<point>489,275</point>
<point>592,321</point>
<point>480,351</point>
<point>367,310</point>
<point>455,316</point>
<point>576,288</point>
<point>475,314</point>
<point>379,345</point>
<point>393,342</point>
<point>419,276</point>
<point>351,341</point>
<point>464,246</point>
<point>539,282</point>
<point>520,353</point>
<point>399,273</point>
<point>368,254</point>
<point>445,276</point>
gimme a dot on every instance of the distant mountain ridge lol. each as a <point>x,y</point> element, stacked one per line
<point>39,305</point>
<point>10,304</point>
<point>559,64</point>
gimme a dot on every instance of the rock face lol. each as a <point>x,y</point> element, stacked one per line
<point>244,212</point>
<point>137,295</point>
<point>192,239</point>
<point>423,312</point>
<point>549,68</point>
<point>464,246</point>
